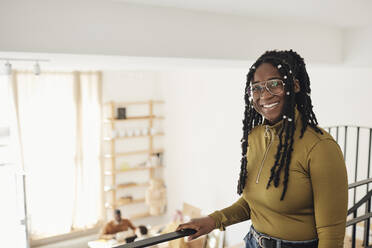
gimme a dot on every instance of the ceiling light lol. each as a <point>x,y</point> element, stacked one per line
<point>37,70</point>
<point>8,68</point>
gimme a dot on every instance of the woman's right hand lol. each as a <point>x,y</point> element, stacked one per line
<point>202,226</point>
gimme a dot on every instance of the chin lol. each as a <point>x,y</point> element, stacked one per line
<point>273,120</point>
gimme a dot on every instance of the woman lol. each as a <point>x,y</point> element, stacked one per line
<point>293,178</point>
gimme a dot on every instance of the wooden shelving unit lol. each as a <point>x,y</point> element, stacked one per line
<point>137,168</point>
<point>112,186</point>
<point>109,139</point>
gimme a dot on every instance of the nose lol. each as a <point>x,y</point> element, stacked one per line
<point>265,93</point>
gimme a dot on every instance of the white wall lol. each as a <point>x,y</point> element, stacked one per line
<point>114,28</point>
<point>357,46</point>
<point>341,94</point>
<point>129,85</point>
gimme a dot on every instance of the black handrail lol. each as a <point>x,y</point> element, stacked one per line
<point>366,217</point>
<point>158,239</point>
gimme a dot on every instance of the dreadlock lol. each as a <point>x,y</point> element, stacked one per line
<point>291,67</point>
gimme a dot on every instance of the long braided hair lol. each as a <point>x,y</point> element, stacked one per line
<point>291,66</point>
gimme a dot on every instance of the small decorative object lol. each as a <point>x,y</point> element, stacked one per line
<point>130,132</point>
<point>143,164</point>
<point>122,113</point>
<point>152,131</point>
<point>154,160</point>
<point>156,197</point>
<point>125,199</point>
<point>137,132</point>
<point>160,156</point>
<point>114,133</point>
<point>145,131</point>
<point>124,166</point>
<point>148,163</point>
<point>122,133</point>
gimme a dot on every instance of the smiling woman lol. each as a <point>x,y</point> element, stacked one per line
<point>293,178</point>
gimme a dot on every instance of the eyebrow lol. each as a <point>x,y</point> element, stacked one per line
<point>256,82</point>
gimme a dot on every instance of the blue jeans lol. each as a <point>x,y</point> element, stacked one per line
<point>251,242</point>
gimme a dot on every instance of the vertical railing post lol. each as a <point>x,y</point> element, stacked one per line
<point>353,234</point>
<point>356,163</point>
<point>345,142</point>
<point>368,205</point>
<point>355,179</point>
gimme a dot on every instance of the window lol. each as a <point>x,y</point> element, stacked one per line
<point>12,213</point>
<point>59,117</point>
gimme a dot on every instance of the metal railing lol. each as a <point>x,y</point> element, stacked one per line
<point>366,217</point>
<point>350,140</point>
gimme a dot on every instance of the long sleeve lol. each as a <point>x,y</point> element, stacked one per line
<point>236,213</point>
<point>330,192</point>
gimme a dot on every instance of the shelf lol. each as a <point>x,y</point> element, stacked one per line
<point>135,103</point>
<point>125,186</point>
<point>140,216</point>
<point>119,204</point>
<point>134,201</point>
<point>131,137</point>
<point>133,153</point>
<point>133,118</point>
<point>131,185</point>
<point>138,168</point>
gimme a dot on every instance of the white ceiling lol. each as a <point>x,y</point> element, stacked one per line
<point>338,13</point>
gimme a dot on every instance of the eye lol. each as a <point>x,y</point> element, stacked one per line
<point>274,83</point>
<point>256,88</point>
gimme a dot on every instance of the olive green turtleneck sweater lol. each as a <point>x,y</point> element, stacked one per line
<point>315,204</point>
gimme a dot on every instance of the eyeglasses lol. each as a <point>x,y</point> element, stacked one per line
<point>273,86</point>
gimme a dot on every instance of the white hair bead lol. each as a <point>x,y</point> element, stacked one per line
<point>279,66</point>
<point>253,67</point>
<point>284,117</point>
<point>289,119</point>
<point>288,93</point>
<point>290,71</point>
<point>285,77</point>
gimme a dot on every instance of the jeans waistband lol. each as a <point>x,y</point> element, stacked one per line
<point>265,240</point>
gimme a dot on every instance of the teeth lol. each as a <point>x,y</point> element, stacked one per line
<point>270,105</point>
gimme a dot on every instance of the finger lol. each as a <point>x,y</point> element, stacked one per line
<point>194,236</point>
<point>189,225</point>
<point>179,227</point>
<point>197,234</point>
<point>182,226</point>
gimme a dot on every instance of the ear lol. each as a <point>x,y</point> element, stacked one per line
<point>296,86</point>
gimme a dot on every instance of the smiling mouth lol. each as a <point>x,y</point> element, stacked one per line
<point>269,106</point>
